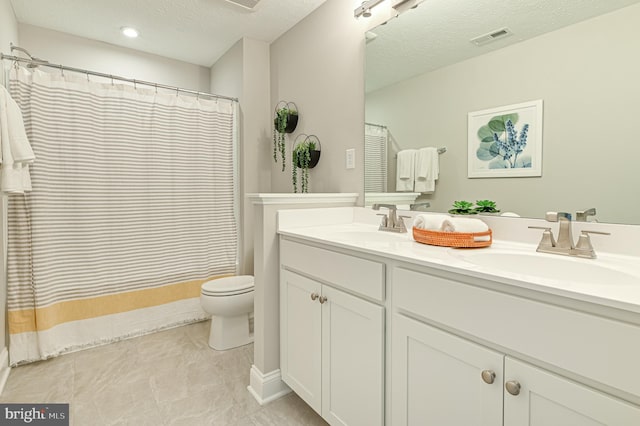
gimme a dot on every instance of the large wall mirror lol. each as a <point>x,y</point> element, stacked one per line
<point>580,57</point>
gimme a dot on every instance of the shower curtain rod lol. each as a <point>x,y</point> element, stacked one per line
<point>112,77</point>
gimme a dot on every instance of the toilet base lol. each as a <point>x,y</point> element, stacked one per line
<point>229,332</point>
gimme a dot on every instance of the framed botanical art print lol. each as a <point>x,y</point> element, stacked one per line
<point>505,141</point>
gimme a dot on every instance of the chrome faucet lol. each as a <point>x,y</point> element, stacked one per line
<point>565,243</point>
<point>565,234</point>
<point>390,222</point>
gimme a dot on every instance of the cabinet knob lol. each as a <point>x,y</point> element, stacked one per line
<point>489,376</point>
<point>322,299</point>
<point>513,387</point>
<point>314,296</point>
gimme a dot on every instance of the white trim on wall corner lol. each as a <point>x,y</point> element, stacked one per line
<point>266,387</point>
<point>281,198</point>
<point>4,368</point>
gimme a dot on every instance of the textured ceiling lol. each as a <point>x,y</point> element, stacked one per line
<point>437,33</point>
<point>195,31</point>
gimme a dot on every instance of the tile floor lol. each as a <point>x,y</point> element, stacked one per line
<point>166,378</point>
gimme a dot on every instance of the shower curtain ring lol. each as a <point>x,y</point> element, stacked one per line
<point>176,92</point>
<point>61,71</point>
<point>156,88</point>
<point>111,79</point>
<point>135,87</point>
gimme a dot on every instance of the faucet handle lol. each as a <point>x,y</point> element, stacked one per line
<point>383,223</point>
<point>557,216</point>
<point>417,206</point>
<point>400,224</point>
<point>547,237</point>
<point>582,215</point>
<point>584,246</point>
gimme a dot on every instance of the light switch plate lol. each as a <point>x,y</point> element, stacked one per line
<point>351,158</point>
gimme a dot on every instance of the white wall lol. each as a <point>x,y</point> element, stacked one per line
<point>79,52</point>
<point>8,35</point>
<point>318,65</point>
<point>8,27</point>
<point>587,75</point>
<point>243,72</point>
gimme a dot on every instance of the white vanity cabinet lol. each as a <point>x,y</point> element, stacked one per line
<point>441,377</point>
<point>437,378</point>
<point>332,332</point>
<point>544,398</point>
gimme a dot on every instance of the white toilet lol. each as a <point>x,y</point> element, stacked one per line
<point>230,302</point>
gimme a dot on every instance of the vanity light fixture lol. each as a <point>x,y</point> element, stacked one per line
<point>365,8</point>
<point>130,32</point>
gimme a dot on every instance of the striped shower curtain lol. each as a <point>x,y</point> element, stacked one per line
<point>133,207</point>
<point>375,158</point>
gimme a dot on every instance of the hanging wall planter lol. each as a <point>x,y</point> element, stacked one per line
<point>285,121</point>
<point>305,155</point>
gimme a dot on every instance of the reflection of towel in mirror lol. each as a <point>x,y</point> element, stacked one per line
<point>14,147</point>
<point>405,170</point>
<point>432,222</point>
<point>426,170</point>
<point>467,226</point>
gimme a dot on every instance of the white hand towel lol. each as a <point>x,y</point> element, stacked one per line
<point>427,170</point>
<point>14,176</point>
<point>432,222</point>
<point>464,225</point>
<point>405,170</point>
<point>20,147</point>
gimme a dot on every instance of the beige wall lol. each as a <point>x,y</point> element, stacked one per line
<point>79,52</point>
<point>587,75</point>
<point>318,65</point>
<point>243,72</point>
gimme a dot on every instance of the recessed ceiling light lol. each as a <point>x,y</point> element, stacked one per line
<point>129,32</point>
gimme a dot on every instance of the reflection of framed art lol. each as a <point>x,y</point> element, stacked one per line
<point>505,141</point>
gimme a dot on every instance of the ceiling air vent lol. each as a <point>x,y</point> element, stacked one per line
<point>492,36</point>
<point>246,4</point>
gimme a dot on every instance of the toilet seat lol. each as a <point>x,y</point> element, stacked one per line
<point>228,286</point>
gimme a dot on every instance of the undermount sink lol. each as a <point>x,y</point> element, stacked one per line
<point>549,266</point>
<point>366,236</point>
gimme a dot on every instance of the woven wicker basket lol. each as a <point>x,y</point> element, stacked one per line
<point>451,239</point>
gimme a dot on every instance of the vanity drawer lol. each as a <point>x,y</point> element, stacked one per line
<point>588,345</point>
<point>360,276</point>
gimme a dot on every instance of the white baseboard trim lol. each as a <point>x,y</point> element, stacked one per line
<point>266,387</point>
<point>4,368</point>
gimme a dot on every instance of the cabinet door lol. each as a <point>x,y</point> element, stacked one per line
<point>352,360</point>
<point>546,399</point>
<point>300,337</point>
<point>437,378</point>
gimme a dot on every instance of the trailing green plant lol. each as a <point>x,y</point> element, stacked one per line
<point>486,206</point>
<point>301,158</point>
<point>462,207</point>
<point>279,132</point>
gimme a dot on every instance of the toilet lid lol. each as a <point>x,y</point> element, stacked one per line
<point>228,286</point>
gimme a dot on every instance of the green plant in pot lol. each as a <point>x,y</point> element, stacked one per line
<point>285,121</point>
<point>304,157</point>
<point>462,207</point>
<point>486,206</point>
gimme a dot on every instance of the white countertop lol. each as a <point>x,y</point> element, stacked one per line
<point>332,224</point>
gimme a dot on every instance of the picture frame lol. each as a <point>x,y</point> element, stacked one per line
<point>505,142</point>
